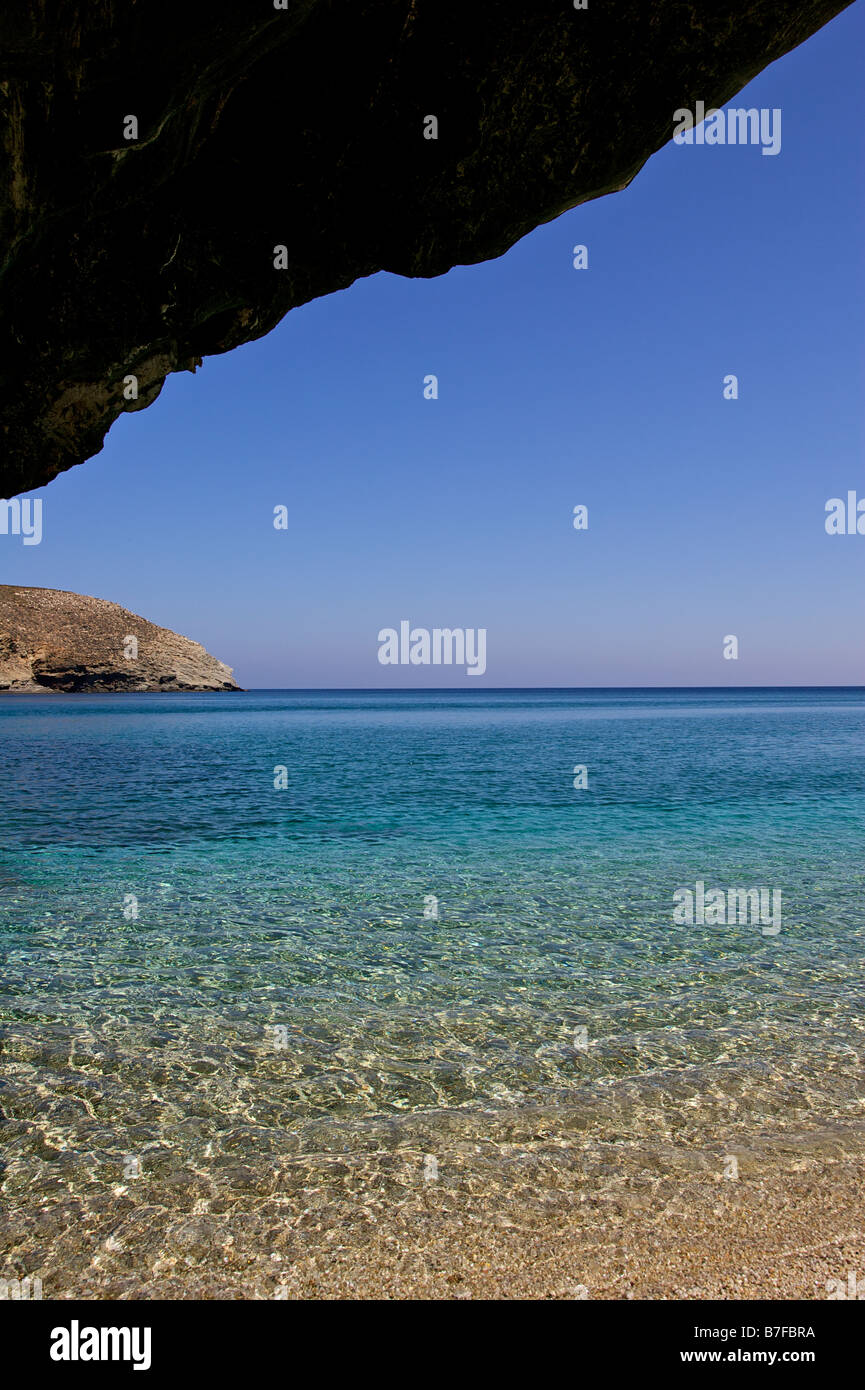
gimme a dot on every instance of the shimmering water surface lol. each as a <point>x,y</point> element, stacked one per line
<point>203,971</point>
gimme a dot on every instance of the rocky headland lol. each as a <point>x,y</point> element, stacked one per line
<point>54,640</point>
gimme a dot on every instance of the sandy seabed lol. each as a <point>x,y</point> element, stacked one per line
<point>547,1216</point>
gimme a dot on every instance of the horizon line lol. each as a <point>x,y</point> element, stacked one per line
<point>479,690</point>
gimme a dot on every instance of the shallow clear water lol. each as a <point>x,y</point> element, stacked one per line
<point>201,969</point>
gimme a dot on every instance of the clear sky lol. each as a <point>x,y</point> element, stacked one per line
<point>557,387</point>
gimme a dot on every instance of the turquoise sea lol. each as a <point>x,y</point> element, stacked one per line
<point>426,938</point>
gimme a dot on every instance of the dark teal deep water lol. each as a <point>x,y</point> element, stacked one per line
<point>280,983</point>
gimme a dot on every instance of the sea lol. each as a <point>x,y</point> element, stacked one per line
<point>306,942</point>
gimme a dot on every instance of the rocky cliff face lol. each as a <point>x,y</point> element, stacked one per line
<point>155,154</point>
<point>53,640</point>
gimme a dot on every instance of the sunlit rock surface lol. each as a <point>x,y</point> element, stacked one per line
<point>54,640</point>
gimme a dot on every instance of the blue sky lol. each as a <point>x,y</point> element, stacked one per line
<point>556,387</point>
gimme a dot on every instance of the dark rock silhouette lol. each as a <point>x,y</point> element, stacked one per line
<point>302,127</point>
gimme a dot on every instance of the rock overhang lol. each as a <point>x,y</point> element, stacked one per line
<point>125,259</point>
